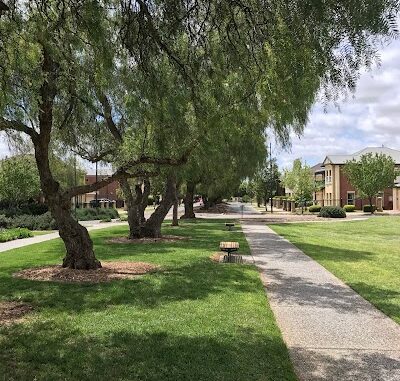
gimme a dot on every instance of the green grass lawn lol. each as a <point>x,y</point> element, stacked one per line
<point>196,320</point>
<point>364,254</point>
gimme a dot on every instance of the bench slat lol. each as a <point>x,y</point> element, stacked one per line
<point>229,245</point>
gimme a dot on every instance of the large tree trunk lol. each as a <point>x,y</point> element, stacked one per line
<point>152,227</point>
<point>80,254</point>
<point>144,199</point>
<point>188,201</point>
<point>175,221</point>
<point>76,238</point>
<point>175,208</point>
<point>134,210</point>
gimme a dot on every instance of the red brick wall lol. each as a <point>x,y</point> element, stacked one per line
<point>345,187</point>
<point>109,191</point>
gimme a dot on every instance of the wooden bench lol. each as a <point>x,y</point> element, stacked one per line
<point>230,225</point>
<point>229,248</point>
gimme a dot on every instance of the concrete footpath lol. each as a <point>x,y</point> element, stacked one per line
<point>332,333</point>
<point>90,225</point>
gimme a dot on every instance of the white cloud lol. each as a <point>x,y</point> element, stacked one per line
<point>371,117</point>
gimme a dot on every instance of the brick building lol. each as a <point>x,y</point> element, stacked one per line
<point>336,189</point>
<point>107,192</point>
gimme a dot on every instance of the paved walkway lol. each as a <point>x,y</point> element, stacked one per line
<point>332,333</point>
<point>92,225</point>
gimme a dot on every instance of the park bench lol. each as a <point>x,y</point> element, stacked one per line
<point>229,248</point>
<point>230,225</point>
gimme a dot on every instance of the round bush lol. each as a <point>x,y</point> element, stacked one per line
<point>369,208</point>
<point>332,212</point>
<point>349,208</point>
<point>314,208</point>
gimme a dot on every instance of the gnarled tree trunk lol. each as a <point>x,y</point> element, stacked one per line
<point>188,201</point>
<point>144,197</point>
<point>134,210</point>
<point>152,227</point>
<point>80,254</point>
<point>79,246</point>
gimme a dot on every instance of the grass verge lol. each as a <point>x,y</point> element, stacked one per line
<point>196,320</point>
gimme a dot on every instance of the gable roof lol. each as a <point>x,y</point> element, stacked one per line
<point>341,159</point>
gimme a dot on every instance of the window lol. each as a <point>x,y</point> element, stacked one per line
<point>351,197</point>
<point>328,176</point>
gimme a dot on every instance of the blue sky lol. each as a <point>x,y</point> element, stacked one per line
<point>369,117</point>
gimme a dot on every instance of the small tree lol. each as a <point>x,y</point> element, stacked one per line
<point>300,180</point>
<point>19,179</point>
<point>266,181</point>
<point>371,174</point>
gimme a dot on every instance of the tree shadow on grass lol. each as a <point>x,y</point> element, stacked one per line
<point>195,281</point>
<point>47,351</point>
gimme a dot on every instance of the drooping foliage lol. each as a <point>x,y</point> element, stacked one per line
<point>140,84</point>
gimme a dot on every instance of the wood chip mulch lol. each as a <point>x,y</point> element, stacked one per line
<point>222,208</point>
<point>164,238</point>
<point>110,271</point>
<point>13,312</point>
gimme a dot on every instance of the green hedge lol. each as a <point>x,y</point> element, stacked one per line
<point>314,208</point>
<point>42,222</point>
<point>96,214</point>
<point>34,209</point>
<point>369,208</point>
<point>12,234</point>
<point>332,212</point>
<point>349,208</point>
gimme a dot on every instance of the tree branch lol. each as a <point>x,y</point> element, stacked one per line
<point>119,174</point>
<point>18,126</point>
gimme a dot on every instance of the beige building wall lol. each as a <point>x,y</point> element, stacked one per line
<point>396,199</point>
<point>329,184</point>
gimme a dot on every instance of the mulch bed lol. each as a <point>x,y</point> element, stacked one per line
<point>110,271</point>
<point>13,312</point>
<point>222,208</point>
<point>164,238</point>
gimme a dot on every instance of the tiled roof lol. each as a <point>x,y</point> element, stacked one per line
<point>341,159</point>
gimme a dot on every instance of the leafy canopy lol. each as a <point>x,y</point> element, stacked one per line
<point>371,173</point>
<point>299,180</point>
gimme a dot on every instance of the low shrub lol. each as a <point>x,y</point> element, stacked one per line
<point>96,214</point>
<point>332,212</point>
<point>314,208</point>
<point>106,219</point>
<point>349,208</point>
<point>12,234</point>
<point>5,222</point>
<point>33,209</point>
<point>42,222</point>
<point>369,208</point>
<point>246,198</point>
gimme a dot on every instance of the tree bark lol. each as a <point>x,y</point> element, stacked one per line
<point>175,208</point>
<point>134,210</point>
<point>188,201</point>
<point>144,199</point>
<point>78,244</point>
<point>152,227</point>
